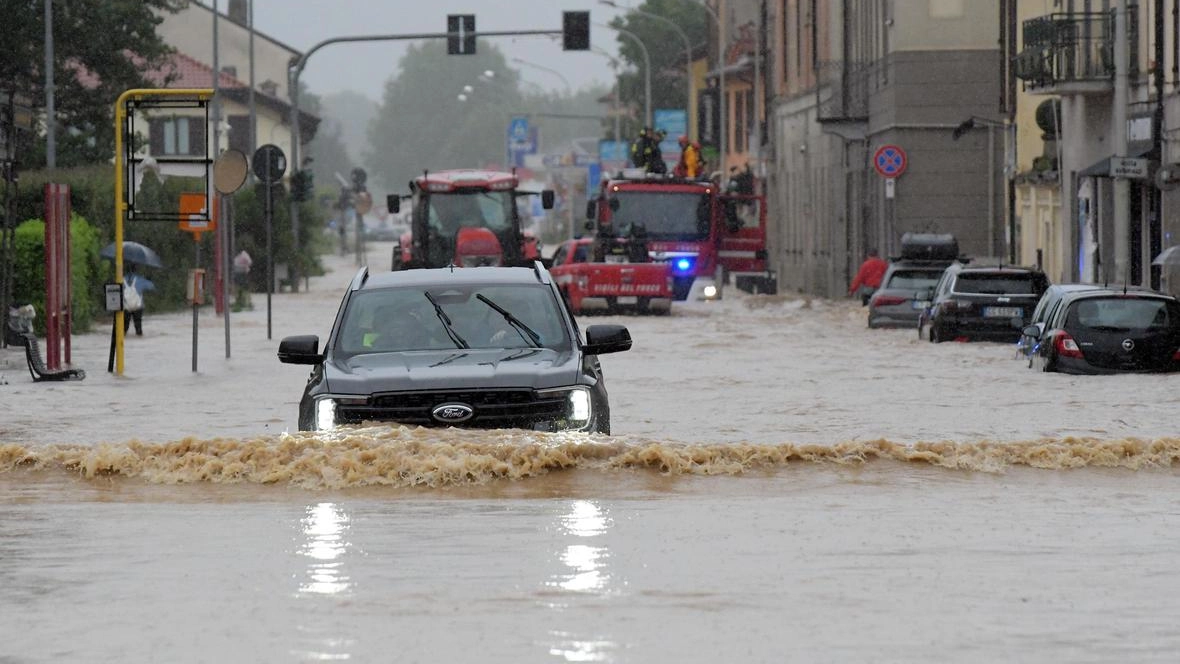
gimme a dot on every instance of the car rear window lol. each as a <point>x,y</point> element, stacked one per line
<point>1121,313</point>
<point>915,279</point>
<point>996,284</point>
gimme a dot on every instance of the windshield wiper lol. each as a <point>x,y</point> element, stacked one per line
<point>446,321</point>
<point>521,329</point>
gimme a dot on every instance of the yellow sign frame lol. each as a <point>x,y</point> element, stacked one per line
<point>178,96</point>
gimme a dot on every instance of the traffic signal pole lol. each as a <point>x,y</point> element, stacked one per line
<point>296,70</point>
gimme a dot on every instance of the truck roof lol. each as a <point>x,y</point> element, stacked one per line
<point>464,178</point>
<point>658,182</point>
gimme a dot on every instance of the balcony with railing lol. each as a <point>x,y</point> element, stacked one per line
<point>1073,53</point>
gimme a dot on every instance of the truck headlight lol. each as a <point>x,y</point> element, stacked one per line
<point>326,412</point>
<point>709,292</point>
<point>578,406</point>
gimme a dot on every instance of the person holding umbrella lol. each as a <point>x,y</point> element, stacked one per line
<point>134,287</point>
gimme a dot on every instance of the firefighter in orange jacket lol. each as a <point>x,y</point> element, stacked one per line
<point>689,165</point>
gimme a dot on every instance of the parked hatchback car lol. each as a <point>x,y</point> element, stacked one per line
<point>1053,296</point>
<point>980,302</point>
<point>905,287</point>
<point>480,347</point>
<point>1110,331</point>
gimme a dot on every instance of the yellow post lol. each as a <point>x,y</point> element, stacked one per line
<point>198,95</point>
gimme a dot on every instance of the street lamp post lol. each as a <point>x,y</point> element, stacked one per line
<point>721,49</point>
<point>683,37</point>
<point>1009,168</point>
<point>564,80</point>
<point>614,63</point>
<point>646,68</point>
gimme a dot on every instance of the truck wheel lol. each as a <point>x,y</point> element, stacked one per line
<point>643,305</point>
<point>612,305</point>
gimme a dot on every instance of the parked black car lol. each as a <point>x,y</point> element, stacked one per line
<point>479,347</point>
<point>906,286</point>
<point>1026,346</point>
<point>982,302</point>
<point>1110,331</point>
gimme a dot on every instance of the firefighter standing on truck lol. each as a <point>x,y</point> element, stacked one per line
<point>642,150</point>
<point>689,165</point>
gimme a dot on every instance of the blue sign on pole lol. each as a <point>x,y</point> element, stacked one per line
<point>518,129</point>
<point>674,122</point>
<point>593,177</point>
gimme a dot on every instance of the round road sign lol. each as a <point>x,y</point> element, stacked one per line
<point>889,161</point>
<point>269,163</point>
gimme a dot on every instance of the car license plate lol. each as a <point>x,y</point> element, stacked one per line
<point>1001,312</point>
<point>628,299</point>
<point>921,304</point>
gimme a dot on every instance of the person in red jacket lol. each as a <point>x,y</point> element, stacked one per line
<point>868,277</point>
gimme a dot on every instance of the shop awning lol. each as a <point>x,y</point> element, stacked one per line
<point>1101,168</point>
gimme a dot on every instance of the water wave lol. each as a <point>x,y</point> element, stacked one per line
<point>408,457</point>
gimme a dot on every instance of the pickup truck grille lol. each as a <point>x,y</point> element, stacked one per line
<point>494,409</point>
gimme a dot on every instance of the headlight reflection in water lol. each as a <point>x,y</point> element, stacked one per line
<point>324,528</point>
<point>587,573</point>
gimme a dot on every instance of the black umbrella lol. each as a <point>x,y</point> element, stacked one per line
<point>134,252</point>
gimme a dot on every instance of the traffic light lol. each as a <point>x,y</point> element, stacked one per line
<point>302,187</point>
<point>359,177</point>
<point>575,31</point>
<point>461,34</point>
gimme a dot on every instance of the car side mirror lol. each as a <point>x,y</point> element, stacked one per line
<point>393,203</point>
<point>547,199</point>
<point>301,349</point>
<point>1032,331</point>
<point>603,339</point>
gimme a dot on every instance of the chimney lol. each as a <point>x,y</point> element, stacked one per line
<point>238,12</point>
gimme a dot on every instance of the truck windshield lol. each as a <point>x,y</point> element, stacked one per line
<point>448,212</point>
<point>665,216</point>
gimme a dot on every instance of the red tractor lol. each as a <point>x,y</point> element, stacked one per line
<point>465,218</point>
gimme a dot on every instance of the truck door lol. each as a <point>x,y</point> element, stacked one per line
<point>742,245</point>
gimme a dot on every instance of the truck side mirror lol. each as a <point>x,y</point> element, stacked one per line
<point>614,205</point>
<point>547,199</point>
<point>591,209</point>
<point>393,203</point>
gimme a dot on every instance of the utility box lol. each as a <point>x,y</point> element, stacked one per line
<point>195,291</point>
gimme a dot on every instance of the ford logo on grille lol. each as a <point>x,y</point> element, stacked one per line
<point>1128,345</point>
<point>452,413</point>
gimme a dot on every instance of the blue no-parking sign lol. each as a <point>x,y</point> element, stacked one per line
<point>889,161</point>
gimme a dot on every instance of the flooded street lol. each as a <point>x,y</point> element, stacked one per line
<point>782,484</point>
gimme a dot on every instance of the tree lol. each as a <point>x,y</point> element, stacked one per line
<point>421,123</point>
<point>666,48</point>
<point>101,48</point>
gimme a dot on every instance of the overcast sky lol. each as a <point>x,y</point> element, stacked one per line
<point>365,67</point>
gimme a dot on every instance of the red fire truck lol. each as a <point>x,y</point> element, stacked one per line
<point>706,235</point>
<point>465,218</point>
<point>611,275</point>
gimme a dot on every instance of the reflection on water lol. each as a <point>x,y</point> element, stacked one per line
<point>586,573</point>
<point>586,563</point>
<point>324,528</point>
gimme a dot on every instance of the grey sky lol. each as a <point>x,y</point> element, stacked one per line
<point>365,67</point>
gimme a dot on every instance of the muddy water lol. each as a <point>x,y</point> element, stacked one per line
<point>782,485</point>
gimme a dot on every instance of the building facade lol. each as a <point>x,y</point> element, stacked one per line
<point>885,118</point>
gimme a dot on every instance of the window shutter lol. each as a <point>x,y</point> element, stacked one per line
<point>196,137</point>
<point>156,136</point>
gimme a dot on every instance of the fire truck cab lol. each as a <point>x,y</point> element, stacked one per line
<point>465,218</point>
<point>706,235</point>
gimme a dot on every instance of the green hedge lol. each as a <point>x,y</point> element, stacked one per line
<point>93,198</point>
<point>29,280</point>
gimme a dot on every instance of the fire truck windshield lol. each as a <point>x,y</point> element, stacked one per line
<point>447,212</point>
<point>664,215</point>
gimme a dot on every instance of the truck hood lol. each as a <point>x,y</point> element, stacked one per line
<point>536,368</point>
